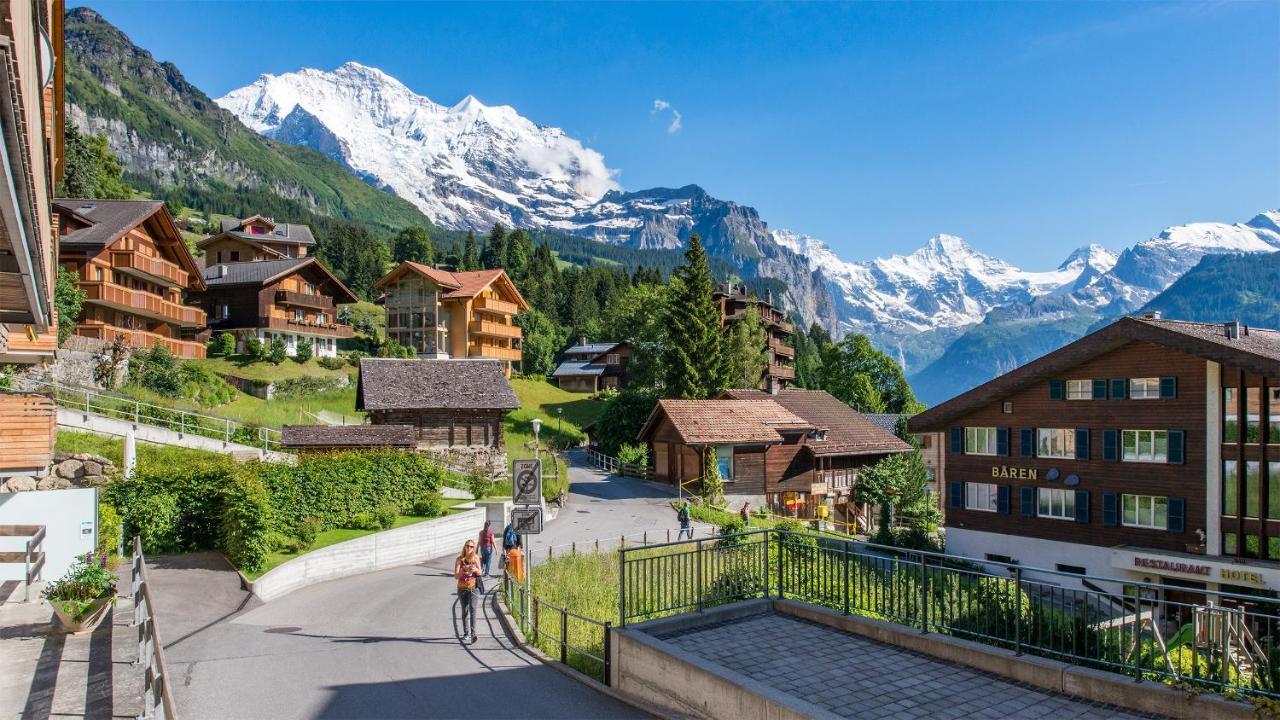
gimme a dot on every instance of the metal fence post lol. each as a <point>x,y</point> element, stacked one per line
<point>1017,611</point>
<point>782,551</point>
<point>622,584</point>
<point>844,556</point>
<point>924,596</point>
<point>699,571</point>
<point>608,646</point>
<point>564,636</point>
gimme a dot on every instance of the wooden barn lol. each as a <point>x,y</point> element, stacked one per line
<point>450,403</point>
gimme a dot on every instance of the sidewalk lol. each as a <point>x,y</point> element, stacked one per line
<point>47,673</point>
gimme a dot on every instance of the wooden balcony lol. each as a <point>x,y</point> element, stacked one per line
<point>494,351</point>
<point>494,329</point>
<point>318,302</point>
<point>27,423</point>
<point>23,343</point>
<point>782,349</point>
<point>495,305</point>
<point>782,372</point>
<point>153,269</point>
<point>184,349</point>
<point>141,303</point>
<point>306,327</point>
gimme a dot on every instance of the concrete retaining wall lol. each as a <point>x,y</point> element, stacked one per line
<point>379,551</point>
<point>103,425</point>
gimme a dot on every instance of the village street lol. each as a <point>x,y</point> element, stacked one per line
<point>383,644</point>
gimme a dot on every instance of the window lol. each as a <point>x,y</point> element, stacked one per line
<point>235,256</point>
<point>1230,487</point>
<point>1230,415</point>
<point>1057,503</point>
<point>980,496</point>
<point>217,258</point>
<point>926,440</point>
<point>1252,479</point>
<point>1273,490</point>
<point>841,478</point>
<point>1146,511</point>
<point>980,440</point>
<point>298,315</point>
<point>1253,415</point>
<point>1006,408</point>
<point>1273,416</point>
<point>992,557</point>
<point>1056,443</point>
<point>1071,569</point>
<point>613,359</point>
<point>724,461</point>
<point>225,312</point>
<point>1145,446</point>
<point>1144,388</point>
<point>1229,543</point>
<point>1079,389</point>
<point>322,318</point>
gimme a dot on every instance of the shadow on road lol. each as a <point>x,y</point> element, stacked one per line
<point>620,489</point>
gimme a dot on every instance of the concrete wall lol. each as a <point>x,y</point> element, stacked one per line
<point>379,551</point>
<point>70,518</point>
<point>103,425</point>
<point>1038,553</point>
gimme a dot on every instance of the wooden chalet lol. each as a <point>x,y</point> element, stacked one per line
<point>592,367</point>
<point>257,238</point>
<point>735,302</point>
<point>449,403</point>
<point>134,267</point>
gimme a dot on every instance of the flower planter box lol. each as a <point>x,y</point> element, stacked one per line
<point>88,623</point>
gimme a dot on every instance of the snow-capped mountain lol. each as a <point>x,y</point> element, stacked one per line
<point>469,165</point>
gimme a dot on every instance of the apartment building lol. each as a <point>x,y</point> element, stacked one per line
<point>443,314</point>
<point>1148,450</point>
<point>735,302</point>
<point>134,268</point>
<point>257,238</point>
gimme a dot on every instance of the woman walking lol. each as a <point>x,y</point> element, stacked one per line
<point>466,569</point>
<point>486,546</point>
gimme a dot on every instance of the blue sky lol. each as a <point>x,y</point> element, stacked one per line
<point>1028,128</point>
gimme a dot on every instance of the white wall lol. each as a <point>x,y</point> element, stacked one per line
<point>1035,553</point>
<point>71,521</point>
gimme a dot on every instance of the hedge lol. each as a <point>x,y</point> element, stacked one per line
<point>187,501</point>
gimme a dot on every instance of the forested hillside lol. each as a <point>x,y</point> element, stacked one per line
<point>1223,288</point>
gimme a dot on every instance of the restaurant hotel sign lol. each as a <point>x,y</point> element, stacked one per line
<point>1196,568</point>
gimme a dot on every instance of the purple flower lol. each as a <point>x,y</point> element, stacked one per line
<point>103,562</point>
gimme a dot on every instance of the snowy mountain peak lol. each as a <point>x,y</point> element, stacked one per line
<point>1090,256</point>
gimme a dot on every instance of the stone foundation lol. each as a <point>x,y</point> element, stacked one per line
<point>69,470</point>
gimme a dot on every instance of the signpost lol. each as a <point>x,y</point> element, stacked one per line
<point>526,517</point>
<point>527,484</point>
<point>527,520</point>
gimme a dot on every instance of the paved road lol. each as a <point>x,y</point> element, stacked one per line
<point>381,645</point>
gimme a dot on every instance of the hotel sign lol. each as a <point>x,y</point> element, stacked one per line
<point>1204,570</point>
<point>1014,473</point>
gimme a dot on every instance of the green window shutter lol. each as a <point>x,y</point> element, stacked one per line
<point>1082,506</point>
<point>1002,441</point>
<point>1177,442</point>
<point>1168,388</point>
<point>1082,444</point>
<point>957,441</point>
<point>1028,501</point>
<point>1120,389</point>
<point>1110,509</point>
<point>1002,499</point>
<point>1110,444</point>
<point>1100,389</point>
<point>1057,389</point>
<point>1027,442</point>
<point>1177,514</point>
<point>956,501</point>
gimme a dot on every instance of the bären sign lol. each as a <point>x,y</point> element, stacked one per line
<point>1014,473</point>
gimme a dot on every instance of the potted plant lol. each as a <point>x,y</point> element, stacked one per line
<point>80,597</point>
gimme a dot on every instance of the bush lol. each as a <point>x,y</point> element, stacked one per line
<point>362,521</point>
<point>391,348</point>
<point>914,538</point>
<point>385,516</point>
<point>153,518</point>
<point>428,506</point>
<point>634,454</point>
<point>309,528</point>
<point>331,363</point>
<point>303,351</point>
<point>306,385</point>
<point>729,530</point>
<point>223,344</point>
<point>246,520</point>
<point>276,352</point>
<point>203,385</point>
<point>108,529</point>
<point>479,484</point>
<point>156,370</point>
<point>353,358</point>
<point>254,348</point>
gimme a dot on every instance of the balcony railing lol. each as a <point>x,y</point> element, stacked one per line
<point>288,297</point>
<point>784,372</point>
<point>142,303</point>
<point>781,348</point>
<point>494,351</point>
<point>27,425</point>
<point>495,305</point>
<point>18,341</point>
<point>306,327</point>
<point>142,339</point>
<point>150,268</point>
<point>496,329</point>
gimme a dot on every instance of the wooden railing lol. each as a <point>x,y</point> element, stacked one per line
<point>496,329</point>
<point>155,268</point>
<point>32,557</point>
<point>493,351</point>
<point>27,425</point>
<point>495,305</point>
<point>305,327</point>
<point>142,303</point>
<point>288,297</point>
<point>786,372</point>
<point>156,697</point>
<point>781,348</point>
<point>185,349</point>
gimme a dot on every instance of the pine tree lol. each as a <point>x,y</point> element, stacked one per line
<point>746,346</point>
<point>495,248</point>
<point>694,359</point>
<point>413,243</point>
<point>519,253</point>
<point>469,259</point>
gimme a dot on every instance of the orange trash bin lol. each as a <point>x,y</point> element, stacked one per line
<point>515,564</point>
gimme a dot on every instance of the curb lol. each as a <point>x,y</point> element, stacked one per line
<point>514,633</point>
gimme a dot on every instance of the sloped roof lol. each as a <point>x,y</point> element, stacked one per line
<point>471,384</point>
<point>848,432</point>
<point>348,436</point>
<point>599,348</point>
<point>570,368</point>
<point>293,233</point>
<point>110,220</point>
<point>1256,350</point>
<point>725,421</point>
<point>461,284</point>
<point>265,272</point>
<point>885,421</point>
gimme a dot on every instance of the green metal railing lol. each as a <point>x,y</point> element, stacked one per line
<point>571,638</point>
<point>1225,642</point>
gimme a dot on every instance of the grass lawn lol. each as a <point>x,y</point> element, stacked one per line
<point>112,448</point>
<point>563,415</point>
<point>239,366</point>
<point>269,413</point>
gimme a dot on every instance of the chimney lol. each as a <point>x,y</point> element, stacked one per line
<point>582,339</point>
<point>768,297</point>
<point>1232,330</point>
<point>1152,315</point>
<point>220,271</point>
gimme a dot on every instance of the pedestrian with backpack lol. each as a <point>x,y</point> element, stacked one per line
<point>466,570</point>
<point>686,525</point>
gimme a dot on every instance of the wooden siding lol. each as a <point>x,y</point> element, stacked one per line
<point>448,428</point>
<point>1033,408</point>
<point>27,423</point>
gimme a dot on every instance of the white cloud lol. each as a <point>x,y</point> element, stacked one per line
<point>660,105</point>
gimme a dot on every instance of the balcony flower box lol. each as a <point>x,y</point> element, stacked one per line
<point>80,598</point>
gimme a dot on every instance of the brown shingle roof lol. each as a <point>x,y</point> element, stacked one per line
<point>347,436</point>
<point>110,219</point>
<point>1256,350</point>
<point>711,422</point>
<point>848,432</point>
<point>461,284</point>
<point>471,384</point>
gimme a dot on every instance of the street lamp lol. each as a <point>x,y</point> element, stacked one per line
<point>559,417</point>
<point>537,446</point>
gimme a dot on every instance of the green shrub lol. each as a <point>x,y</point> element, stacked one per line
<point>331,363</point>
<point>353,357</point>
<point>303,351</point>
<point>309,528</point>
<point>478,483</point>
<point>306,385</point>
<point>634,454</point>
<point>915,538</point>
<point>385,515</point>
<point>362,521</point>
<point>428,506</point>
<point>246,520</point>
<point>203,385</point>
<point>156,370</point>
<point>153,519</point>
<point>276,352</point>
<point>223,344</point>
<point>108,529</point>
<point>87,579</point>
<point>255,349</point>
<point>729,530</point>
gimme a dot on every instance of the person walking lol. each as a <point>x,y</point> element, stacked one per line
<point>686,527</point>
<point>486,546</point>
<point>745,512</point>
<point>466,570</point>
